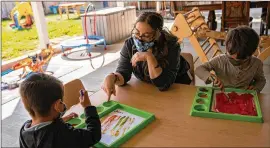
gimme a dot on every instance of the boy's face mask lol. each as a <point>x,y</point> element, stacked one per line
<point>142,46</point>
<point>233,56</point>
<point>64,111</point>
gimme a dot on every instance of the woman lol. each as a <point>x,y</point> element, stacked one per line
<point>152,54</point>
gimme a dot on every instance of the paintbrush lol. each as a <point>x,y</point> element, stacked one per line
<point>81,94</point>
<point>226,95</point>
<point>222,89</point>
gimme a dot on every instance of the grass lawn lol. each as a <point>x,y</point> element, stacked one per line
<point>17,43</point>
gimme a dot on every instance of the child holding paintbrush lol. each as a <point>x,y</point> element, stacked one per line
<point>237,68</point>
<point>42,96</point>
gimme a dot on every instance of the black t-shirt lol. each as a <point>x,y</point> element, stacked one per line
<point>59,134</point>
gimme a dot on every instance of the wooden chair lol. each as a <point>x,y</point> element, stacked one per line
<point>189,58</point>
<point>265,20</point>
<point>71,92</point>
<point>263,51</point>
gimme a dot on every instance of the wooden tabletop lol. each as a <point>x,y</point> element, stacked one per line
<point>175,127</point>
<point>72,4</point>
<point>107,11</point>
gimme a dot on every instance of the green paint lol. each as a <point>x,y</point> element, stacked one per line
<point>120,120</point>
<point>124,121</point>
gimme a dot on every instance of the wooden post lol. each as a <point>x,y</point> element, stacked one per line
<point>120,4</point>
<point>158,6</point>
<point>41,24</point>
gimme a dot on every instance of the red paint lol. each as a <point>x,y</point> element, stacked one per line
<point>240,104</point>
<point>74,125</point>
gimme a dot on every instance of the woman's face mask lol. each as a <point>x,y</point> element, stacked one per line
<point>142,46</point>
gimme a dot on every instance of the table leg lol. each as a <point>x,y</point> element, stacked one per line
<point>67,12</point>
<point>267,19</point>
<point>60,11</point>
<point>212,23</point>
<point>78,10</point>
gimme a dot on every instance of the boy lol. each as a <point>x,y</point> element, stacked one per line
<point>238,68</point>
<point>42,96</point>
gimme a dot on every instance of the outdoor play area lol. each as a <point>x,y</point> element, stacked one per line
<point>155,73</point>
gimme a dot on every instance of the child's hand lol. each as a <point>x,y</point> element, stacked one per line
<point>217,82</point>
<point>70,116</point>
<point>250,87</point>
<point>84,99</point>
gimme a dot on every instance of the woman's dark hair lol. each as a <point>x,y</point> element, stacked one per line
<point>155,20</point>
<point>242,41</point>
<point>160,50</point>
<point>39,92</point>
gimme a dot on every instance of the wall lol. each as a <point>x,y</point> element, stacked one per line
<point>6,9</point>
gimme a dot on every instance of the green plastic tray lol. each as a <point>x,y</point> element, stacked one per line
<point>202,105</point>
<point>108,107</point>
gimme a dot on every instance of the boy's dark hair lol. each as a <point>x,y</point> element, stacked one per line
<point>242,41</point>
<point>39,91</point>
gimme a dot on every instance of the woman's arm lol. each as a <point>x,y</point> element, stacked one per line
<point>123,72</point>
<point>163,78</point>
<point>124,67</point>
<point>154,69</point>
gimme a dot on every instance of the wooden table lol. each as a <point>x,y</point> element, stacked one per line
<point>76,6</point>
<point>217,6</point>
<point>175,127</point>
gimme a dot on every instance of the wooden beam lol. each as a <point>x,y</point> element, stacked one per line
<point>158,4</point>
<point>41,24</point>
<point>120,4</point>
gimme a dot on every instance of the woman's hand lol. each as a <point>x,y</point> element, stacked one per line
<point>109,85</point>
<point>140,57</point>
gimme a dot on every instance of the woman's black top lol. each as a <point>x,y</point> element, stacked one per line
<point>175,70</point>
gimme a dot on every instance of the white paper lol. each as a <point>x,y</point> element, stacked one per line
<point>107,137</point>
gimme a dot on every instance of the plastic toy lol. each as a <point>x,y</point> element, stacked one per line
<point>4,86</point>
<point>119,123</point>
<point>34,63</point>
<point>21,9</point>
<point>205,105</point>
<point>86,41</point>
